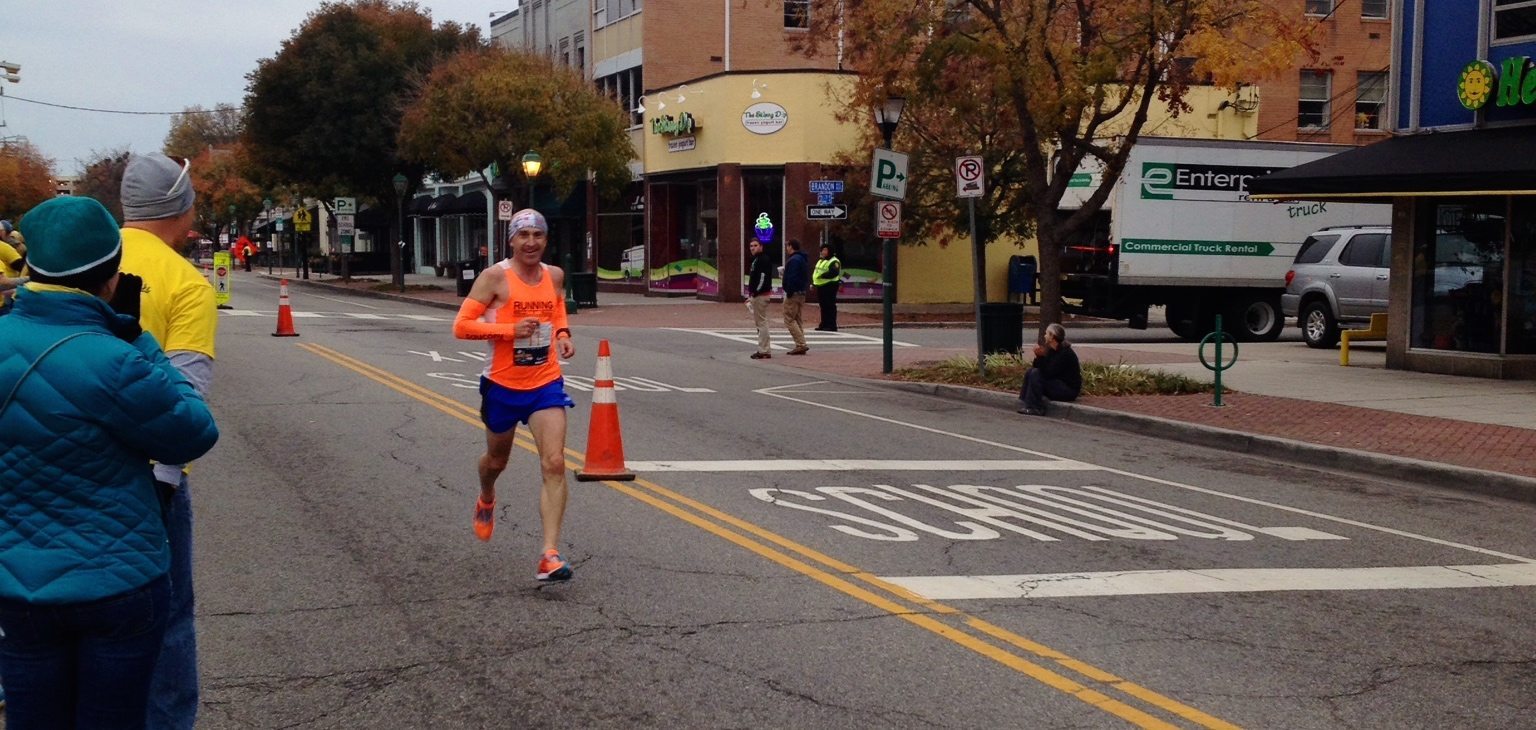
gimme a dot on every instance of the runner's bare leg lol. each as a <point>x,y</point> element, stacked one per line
<point>498,446</point>
<point>548,427</point>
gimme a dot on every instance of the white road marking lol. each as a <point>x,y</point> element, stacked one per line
<point>775,392</point>
<point>339,301</point>
<point>782,339</point>
<point>1218,580</point>
<point>778,465</point>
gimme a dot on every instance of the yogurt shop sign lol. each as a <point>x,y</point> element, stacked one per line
<point>764,118</point>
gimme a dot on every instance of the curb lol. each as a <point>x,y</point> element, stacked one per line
<point>1295,453</point>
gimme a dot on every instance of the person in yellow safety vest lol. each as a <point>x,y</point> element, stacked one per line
<point>827,277</point>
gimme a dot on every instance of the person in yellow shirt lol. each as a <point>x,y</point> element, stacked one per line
<point>176,305</point>
<point>12,264</point>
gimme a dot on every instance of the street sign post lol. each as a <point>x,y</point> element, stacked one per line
<point>825,198</point>
<point>888,219</point>
<point>302,220</point>
<point>346,224</point>
<point>888,174</point>
<point>970,176</point>
<point>504,210</point>
<point>221,264</point>
<point>346,206</point>
<point>826,212</point>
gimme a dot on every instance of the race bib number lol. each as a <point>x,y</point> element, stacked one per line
<point>533,349</point>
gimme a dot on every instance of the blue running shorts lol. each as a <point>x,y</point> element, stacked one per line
<point>501,408</point>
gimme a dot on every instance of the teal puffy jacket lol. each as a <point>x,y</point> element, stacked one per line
<point>79,517</point>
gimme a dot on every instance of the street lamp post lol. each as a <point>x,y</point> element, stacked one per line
<point>396,265</point>
<point>532,164</point>
<point>266,206</point>
<point>887,116</point>
<point>234,226</point>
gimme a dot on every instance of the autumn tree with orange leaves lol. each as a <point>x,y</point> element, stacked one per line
<point>26,179</point>
<point>1037,88</point>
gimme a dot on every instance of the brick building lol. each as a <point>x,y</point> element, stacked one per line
<point>1342,97</point>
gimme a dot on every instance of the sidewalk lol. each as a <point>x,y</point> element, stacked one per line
<point>1293,404</point>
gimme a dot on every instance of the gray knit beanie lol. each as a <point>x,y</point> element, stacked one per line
<point>156,187</point>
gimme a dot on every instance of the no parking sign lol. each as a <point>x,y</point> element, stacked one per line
<point>888,219</point>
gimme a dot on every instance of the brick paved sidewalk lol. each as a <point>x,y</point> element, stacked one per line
<point>1474,445</point>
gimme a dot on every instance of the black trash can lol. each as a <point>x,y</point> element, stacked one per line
<point>1002,327</point>
<point>584,288</point>
<point>465,271</point>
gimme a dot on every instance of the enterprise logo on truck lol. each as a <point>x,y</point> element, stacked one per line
<point>1173,181</point>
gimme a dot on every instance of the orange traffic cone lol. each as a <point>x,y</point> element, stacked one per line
<point>605,445</point>
<point>284,313</point>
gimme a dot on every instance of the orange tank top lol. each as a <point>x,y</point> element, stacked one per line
<point>525,363</point>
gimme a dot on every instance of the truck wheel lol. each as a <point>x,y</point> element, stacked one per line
<point>1254,319</point>
<point>1318,327</point>
<point>1188,322</point>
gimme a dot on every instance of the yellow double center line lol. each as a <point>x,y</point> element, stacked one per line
<point>1080,679</point>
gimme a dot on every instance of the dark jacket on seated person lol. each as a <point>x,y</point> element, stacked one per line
<point>1061,365</point>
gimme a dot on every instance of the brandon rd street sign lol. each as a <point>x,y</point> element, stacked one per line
<point>826,212</point>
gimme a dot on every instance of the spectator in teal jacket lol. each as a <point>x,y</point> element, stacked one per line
<point>89,400</point>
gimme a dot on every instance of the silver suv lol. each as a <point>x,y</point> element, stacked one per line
<point>1339,275</point>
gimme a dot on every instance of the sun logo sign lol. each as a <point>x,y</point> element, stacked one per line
<point>1475,86</point>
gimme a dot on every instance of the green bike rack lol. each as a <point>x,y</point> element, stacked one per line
<point>1219,335</point>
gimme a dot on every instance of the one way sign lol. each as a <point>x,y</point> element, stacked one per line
<point>826,212</point>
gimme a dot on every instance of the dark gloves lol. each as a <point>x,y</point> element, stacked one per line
<point>125,301</point>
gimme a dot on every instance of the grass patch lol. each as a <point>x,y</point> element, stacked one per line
<point>1006,372</point>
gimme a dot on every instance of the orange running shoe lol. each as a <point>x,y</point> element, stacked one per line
<point>552,567</point>
<point>485,519</point>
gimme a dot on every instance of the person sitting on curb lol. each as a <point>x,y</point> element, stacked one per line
<point>1054,375</point>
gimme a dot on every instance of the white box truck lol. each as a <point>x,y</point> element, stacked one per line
<point>1178,230</point>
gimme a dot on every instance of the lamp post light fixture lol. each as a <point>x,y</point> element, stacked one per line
<point>234,225</point>
<point>532,164</point>
<point>887,116</point>
<point>396,264</point>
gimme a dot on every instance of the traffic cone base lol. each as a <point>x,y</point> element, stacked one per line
<point>605,441</point>
<point>284,313</point>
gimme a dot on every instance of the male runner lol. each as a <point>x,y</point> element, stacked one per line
<point>519,306</point>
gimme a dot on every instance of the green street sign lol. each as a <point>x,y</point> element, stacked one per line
<point>1196,248</point>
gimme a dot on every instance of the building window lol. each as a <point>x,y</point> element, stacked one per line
<point>581,52</point>
<point>1373,9</point>
<point>1312,107</point>
<point>1370,99</point>
<point>625,87</point>
<point>1319,7</point>
<point>1458,275</point>
<point>1514,18</point>
<point>797,13</point>
<point>565,51</point>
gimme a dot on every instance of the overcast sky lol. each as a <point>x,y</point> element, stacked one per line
<point>145,56</point>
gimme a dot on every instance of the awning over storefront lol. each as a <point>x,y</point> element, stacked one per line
<point>418,205</point>
<point>441,204</point>
<point>1498,161</point>
<point>470,203</point>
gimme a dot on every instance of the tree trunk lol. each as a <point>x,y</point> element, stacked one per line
<point>1050,272</point>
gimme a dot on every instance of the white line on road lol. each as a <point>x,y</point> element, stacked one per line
<point>774,392</point>
<point>339,301</point>
<point>778,465</point>
<point>749,336</point>
<point>1219,580</point>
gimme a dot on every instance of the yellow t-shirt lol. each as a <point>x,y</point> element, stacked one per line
<point>176,304</point>
<point>10,260</point>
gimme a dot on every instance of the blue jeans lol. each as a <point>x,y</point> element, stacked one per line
<point>174,693</point>
<point>82,665</point>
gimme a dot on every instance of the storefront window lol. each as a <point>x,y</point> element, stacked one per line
<point>1458,276</point>
<point>1522,269</point>
<point>764,193</point>
<point>621,237</point>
